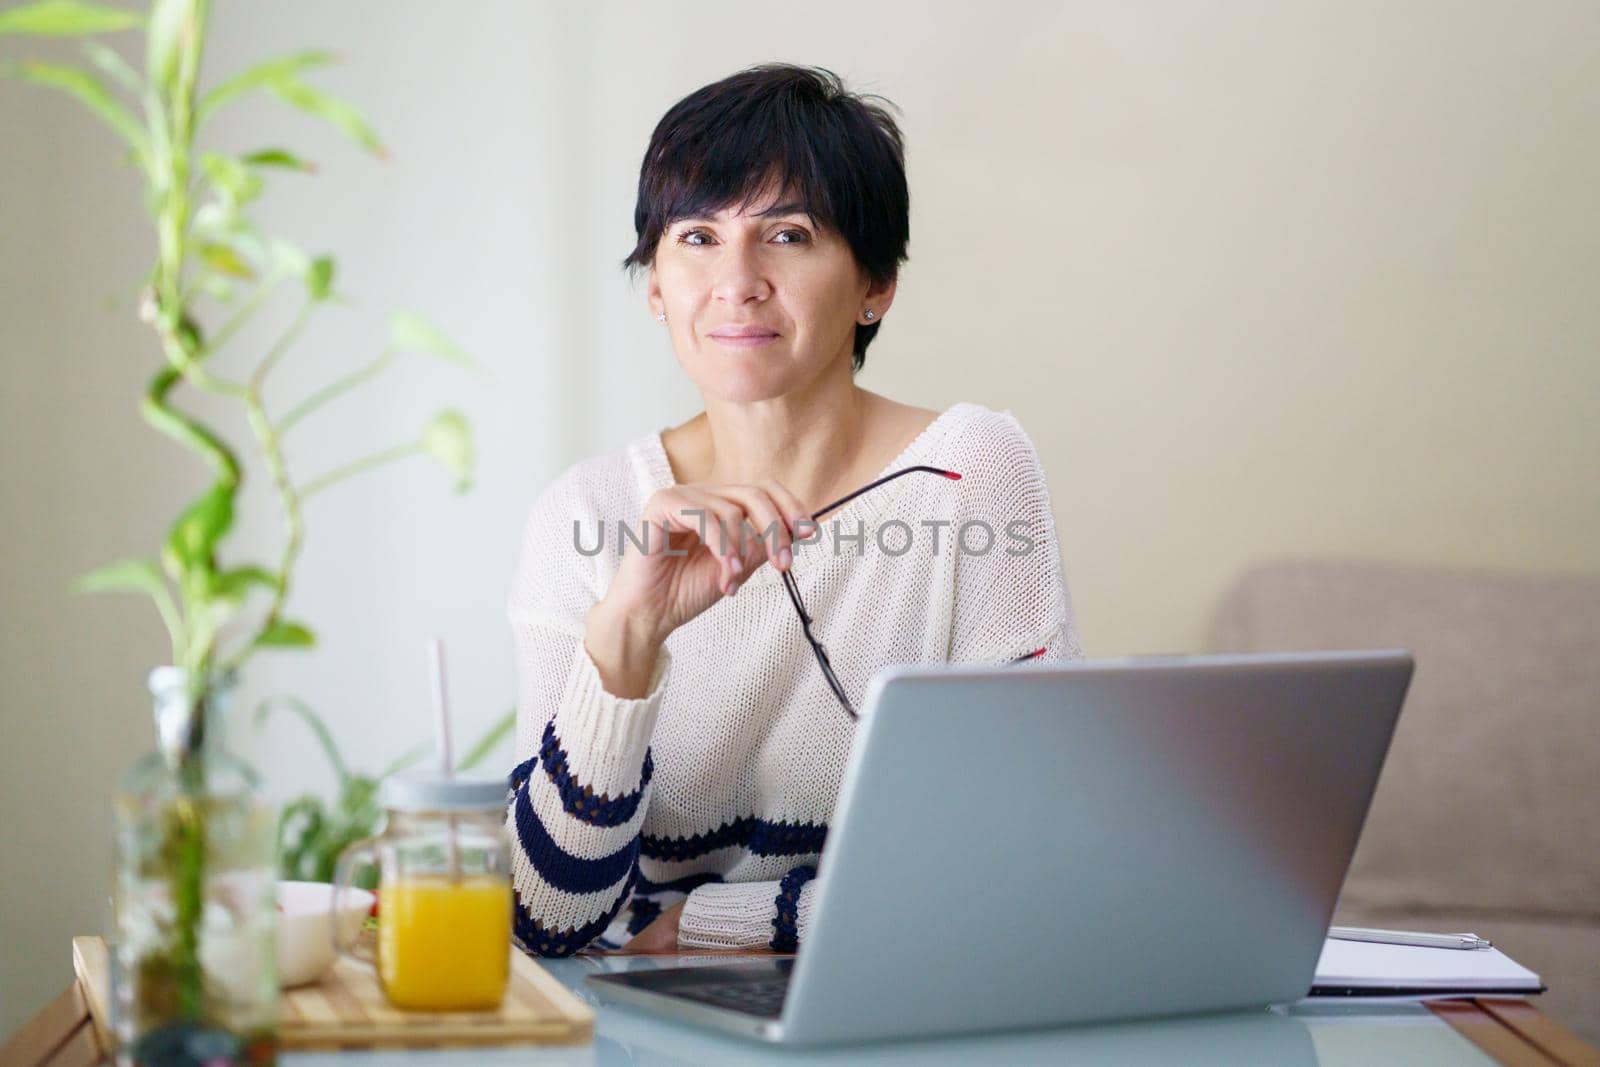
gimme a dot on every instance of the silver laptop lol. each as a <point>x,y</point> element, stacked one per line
<point>1065,843</point>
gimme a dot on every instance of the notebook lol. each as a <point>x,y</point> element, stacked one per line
<point>1363,968</point>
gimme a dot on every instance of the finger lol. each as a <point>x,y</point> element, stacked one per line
<point>770,528</point>
<point>801,525</point>
<point>724,518</point>
<point>666,509</point>
<point>707,517</point>
<point>717,520</point>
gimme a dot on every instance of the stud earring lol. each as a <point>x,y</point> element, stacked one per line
<point>871,315</point>
<point>661,317</point>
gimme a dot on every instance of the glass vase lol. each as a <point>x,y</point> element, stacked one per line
<point>196,977</point>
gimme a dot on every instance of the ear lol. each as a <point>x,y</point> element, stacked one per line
<point>658,307</point>
<point>878,298</point>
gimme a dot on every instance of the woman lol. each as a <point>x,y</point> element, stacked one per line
<point>681,740</point>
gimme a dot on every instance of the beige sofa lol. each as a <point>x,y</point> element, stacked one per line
<point>1487,815</point>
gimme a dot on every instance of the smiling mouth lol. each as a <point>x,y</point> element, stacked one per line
<point>744,340</point>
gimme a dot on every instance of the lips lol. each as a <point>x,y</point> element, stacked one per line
<point>741,333</point>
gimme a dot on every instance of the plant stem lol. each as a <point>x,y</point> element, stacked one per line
<point>188,830</point>
<point>246,310</point>
<point>288,497</point>
<point>183,429</point>
<point>180,341</point>
<point>349,470</point>
<point>270,439</point>
<point>275,353</point>
<point>172,621</point>
<point>201,378</point>
<point>328,392</point>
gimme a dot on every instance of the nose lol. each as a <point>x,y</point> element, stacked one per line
<point>739,275</point>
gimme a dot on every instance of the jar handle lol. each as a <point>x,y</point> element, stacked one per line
<point>342,872</point>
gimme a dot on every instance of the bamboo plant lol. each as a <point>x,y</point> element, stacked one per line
<point>208,247</point>
<point>215,270</point>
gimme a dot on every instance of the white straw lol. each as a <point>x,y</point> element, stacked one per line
<point>441,724</point>
<point>441,707</point>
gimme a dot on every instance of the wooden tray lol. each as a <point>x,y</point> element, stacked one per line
<point>347,1010</point>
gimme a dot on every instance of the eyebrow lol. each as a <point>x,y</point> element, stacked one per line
<point>793,207</point>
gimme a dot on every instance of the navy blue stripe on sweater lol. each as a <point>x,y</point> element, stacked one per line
<point>761,837</point>
<point>786,923</point>
<point>580,800</point>
<point>519,774</point>
<point>562,869</point>
<point>540,941</point>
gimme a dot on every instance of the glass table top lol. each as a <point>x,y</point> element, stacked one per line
<point>1319,1031</point>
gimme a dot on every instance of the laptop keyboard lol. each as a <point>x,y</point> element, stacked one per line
<point>761,997</point>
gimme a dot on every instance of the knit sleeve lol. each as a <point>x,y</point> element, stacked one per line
<point>1011,597</point>
<point>577,797</point>
<point>748,915</point>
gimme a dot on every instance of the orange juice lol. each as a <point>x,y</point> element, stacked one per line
<point>445,945</point>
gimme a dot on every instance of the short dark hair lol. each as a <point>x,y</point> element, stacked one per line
<point>827,148</point>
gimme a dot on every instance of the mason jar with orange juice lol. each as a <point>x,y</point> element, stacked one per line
<point>444,893</point>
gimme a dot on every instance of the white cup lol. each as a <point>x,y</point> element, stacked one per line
<point>305,951</point>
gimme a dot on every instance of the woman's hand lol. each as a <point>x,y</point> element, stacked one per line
<point>700,525</point>
<point>660,936</point>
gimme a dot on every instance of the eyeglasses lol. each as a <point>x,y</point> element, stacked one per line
<point>800,605</point>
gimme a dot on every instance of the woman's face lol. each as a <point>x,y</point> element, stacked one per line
<point>770,270</point>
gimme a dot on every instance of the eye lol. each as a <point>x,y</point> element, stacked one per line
<point>795,236</point>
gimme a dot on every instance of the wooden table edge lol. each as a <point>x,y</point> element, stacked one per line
<point>1513,1032</point>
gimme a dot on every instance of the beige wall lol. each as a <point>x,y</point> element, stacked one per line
<point>1259,278</point>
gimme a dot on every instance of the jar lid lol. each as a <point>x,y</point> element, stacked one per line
<point>415,792</point>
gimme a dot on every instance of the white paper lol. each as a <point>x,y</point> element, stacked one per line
<point>1366,965</point>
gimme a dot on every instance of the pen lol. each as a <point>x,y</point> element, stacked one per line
<point>1406,937</point>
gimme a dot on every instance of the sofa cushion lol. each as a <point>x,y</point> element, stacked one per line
<point>1490,798</point>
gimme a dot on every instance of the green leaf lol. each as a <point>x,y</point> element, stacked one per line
<point>259,76</point>
<point>448,438</point>
<point>319,728</point>
<point>216,611</point>
<point>330,109</point>
<point>234,584</point>
<point>123,576</point>
<point>235,182</point>
<point>167,20</point>
<point>413,333</point>
<point>160,148</point>
<point>225,260</point>
<point>292,855</point>
<point>194,536</point>
<point>114,65</point>
<point>358,799</point>
<point>489,742</point>
<point>319,278</point>
<point>279,157</point>
<point>90,92</point>
<point>64,18</point>
<point>217,223</point>
<point>286,634</point>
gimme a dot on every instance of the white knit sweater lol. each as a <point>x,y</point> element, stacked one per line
<point>723,778</point>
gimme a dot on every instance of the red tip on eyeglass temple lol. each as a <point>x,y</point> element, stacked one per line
<point>952,475</point>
